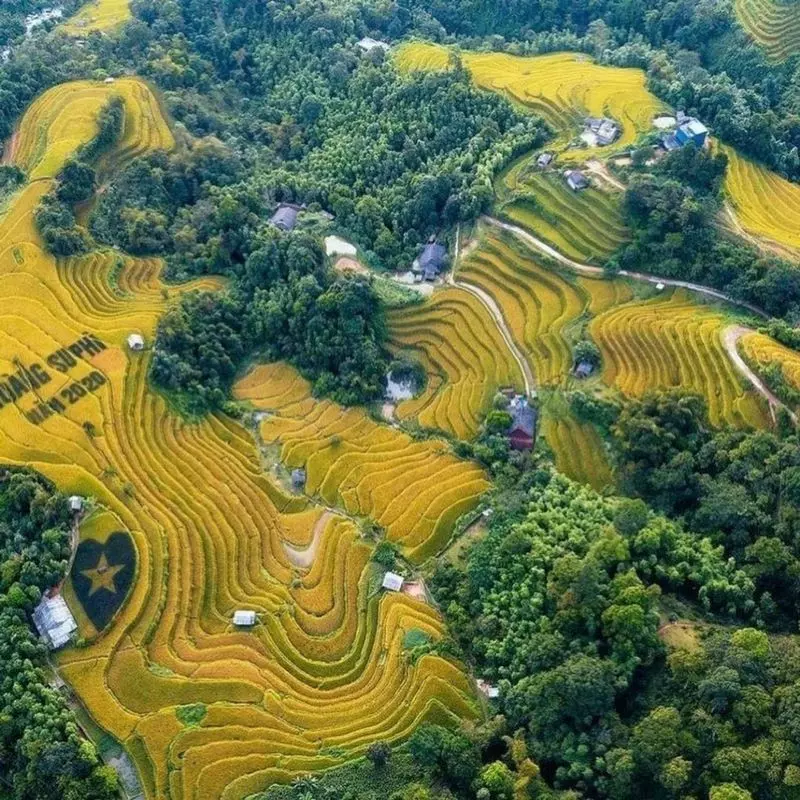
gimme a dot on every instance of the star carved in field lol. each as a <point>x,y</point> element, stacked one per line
<point>102,576</point>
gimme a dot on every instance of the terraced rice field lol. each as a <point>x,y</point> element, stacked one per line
<point>542,308</point>
<point>761,351</point>
<point>322,674</point>
<point>670,341</point>
<point>98,15</point>
<point>766,205</point>
<point>774,24</point>
<point>63,118</point>
<point>415,490</point>
<point>417,56</point>
<point>586,226</point>
<point>465,357</point>
<point>577,447</point>
<point>563,88</point>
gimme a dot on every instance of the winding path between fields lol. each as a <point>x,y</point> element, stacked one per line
<point>586,269</point>
<point>730,337</point>
<point>497,315</point>
<point>730,341</point>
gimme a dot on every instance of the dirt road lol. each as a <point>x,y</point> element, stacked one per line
<point>497,315</point>
<point>586,269</point>
<point>730,340</point>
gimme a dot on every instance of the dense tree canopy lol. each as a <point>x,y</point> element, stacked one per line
<point>42,754</point>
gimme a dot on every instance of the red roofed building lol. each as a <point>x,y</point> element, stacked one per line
<point>522,432</point>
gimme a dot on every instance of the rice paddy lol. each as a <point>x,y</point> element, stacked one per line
<point>774,24</point>
<point>563,88</point>
<point>766,205</point>
<point>542,308</point>
<point>98,15</point>
<point>415,490</point>
<point>586,226</point>
<point>577,448</point>
<point>762,352</point>
<point>666,341</point>
<point>322,674</point>
<point>466,359</point>
<point>671,341</point>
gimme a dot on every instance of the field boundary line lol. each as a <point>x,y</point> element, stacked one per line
<point>586,269</point>
<point>497,315</point>
<point>730,340</point>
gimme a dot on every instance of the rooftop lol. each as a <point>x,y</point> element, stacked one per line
<point>136,341</point>
<point>54,621</point>
<point>584,369</point>
<point>431,260</point>
<point>695,127</point>
<point>368,44</point>
<point>523,417</point>
<point>244,618</point>
<point>576,179</point>
<point>392,581</point>
<point>285,216</point>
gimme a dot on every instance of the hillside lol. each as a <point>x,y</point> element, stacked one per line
<point>398,402</point>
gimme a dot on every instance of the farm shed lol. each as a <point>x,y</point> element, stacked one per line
<point>545,160</point>
<point>298,478</point>
<point>244,619</point>
<point>76,503</point>
<point>392,581</point>
<point>54,621</point>
<point>432,260</point>
<point>522,431</point>
<point>487,689</point>
<point>576,180</point>
<point>136,342</point>
<point>285,216</point>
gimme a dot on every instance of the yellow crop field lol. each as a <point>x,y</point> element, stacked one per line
<point>563,88</point>
<point>540,306</point>
<point>422,56</point>
<point>465,357</point>
<point>586,226</point>
<point>98,15</point>
<point>577,447</point>
<point>415,490</point>
<point>670,341</point>
<point>761,351</point>
<point>766,205</point>
<point>59,121</point>
<point>774,24</point>
<point>210,531</point>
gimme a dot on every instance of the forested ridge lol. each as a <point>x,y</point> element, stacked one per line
<point>43,754</point>
<point>642,646</point>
